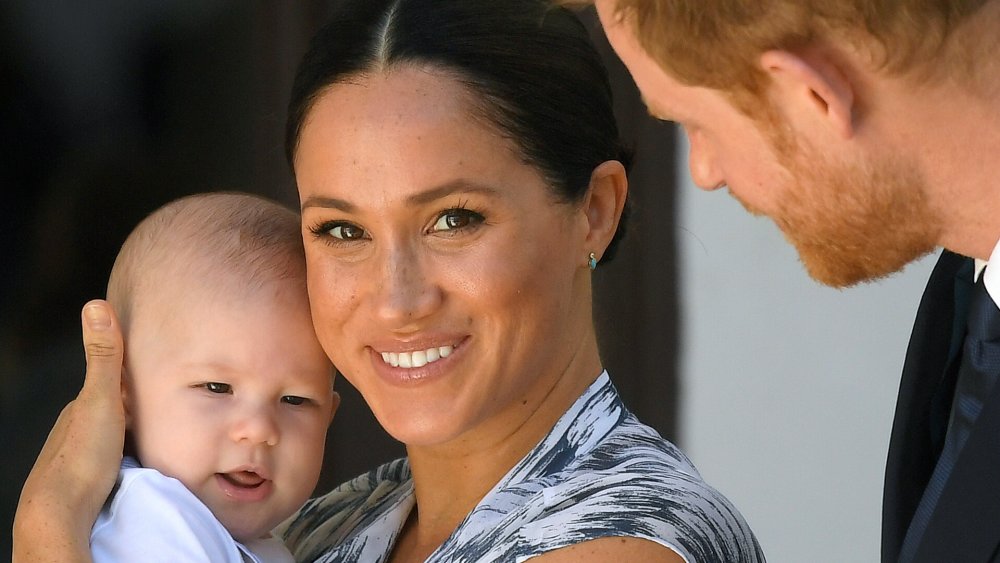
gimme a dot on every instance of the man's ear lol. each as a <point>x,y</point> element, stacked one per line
<point>813,87</point>
<point>604,203</point>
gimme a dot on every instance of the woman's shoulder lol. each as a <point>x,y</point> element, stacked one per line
<point>669,507</point>
<point>600,473</point>
<point>637,484</point>
<point>633,443</point>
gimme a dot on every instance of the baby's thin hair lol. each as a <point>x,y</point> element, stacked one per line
<point>226,241</point>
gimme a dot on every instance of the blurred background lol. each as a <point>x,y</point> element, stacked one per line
<point>781,391</point>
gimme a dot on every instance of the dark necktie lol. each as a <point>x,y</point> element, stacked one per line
<point>980,365</point>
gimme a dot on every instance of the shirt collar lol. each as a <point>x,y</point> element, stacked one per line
<point>991,279</point>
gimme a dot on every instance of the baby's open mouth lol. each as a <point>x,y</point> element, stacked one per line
<point>243,479</point>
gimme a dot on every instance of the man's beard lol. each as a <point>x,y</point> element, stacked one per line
<point>852,223</point>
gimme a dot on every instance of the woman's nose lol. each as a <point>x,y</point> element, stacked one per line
<point>255,424</point>
<point>701,160</point>
<point>404,291</point>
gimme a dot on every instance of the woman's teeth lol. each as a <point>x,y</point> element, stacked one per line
<point>416,359</point>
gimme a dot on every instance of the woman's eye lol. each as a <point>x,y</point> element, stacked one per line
<point>215,387</point>
<point>346,231</point>
<point>293,400</point>
<point>456,219</point>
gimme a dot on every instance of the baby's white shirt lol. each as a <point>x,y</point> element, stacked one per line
<point>151,517</point>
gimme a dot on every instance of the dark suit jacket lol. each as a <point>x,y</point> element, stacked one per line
<point>965,525</point>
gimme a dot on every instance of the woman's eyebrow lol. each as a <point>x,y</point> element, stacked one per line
<point>328,202</point>
<point>420,198</point>
<point>449,188</point>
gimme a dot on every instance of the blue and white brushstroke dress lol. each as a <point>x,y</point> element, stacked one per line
<point>598,473</point>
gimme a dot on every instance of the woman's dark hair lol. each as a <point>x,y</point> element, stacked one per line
<point>531,66</point>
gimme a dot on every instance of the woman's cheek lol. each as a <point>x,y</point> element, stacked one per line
<point>332,298</point>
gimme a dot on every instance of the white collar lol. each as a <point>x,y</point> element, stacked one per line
<point>992,277</point>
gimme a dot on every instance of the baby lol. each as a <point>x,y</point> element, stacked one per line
<point>228,394</point>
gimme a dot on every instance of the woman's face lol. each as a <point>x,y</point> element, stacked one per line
<point>446,281</point>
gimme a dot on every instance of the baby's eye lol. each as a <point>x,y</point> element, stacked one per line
<point>293,400</point>
<point>346,231</point>
<point>457,219</point>
<point>215,387</point>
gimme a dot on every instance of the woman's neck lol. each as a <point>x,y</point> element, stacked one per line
<point>451,479</point>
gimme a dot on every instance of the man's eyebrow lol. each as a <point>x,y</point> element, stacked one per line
<point>420,198</point>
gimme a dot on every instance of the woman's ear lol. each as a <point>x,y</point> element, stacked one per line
<point>603,204</point>
<point>812,86</point>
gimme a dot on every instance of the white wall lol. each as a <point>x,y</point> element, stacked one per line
<point>788,387</point>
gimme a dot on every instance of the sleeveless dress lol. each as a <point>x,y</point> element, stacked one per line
<point>598,473</point>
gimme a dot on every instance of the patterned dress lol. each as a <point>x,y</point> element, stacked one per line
<point>598,473</point>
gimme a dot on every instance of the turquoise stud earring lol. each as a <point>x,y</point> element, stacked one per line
<point>592,262</point>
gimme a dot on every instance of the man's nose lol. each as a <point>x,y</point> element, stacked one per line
<point>705,171</point>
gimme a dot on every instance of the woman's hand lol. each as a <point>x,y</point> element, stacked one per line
<point>78,464</point>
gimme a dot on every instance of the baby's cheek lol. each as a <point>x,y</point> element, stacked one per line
<point>310,445</point>
<point>163,452</point>
<point>180,439</point>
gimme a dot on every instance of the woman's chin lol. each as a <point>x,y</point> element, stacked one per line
<point>416,430</point>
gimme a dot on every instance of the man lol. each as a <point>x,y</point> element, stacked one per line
<point>869,132</point>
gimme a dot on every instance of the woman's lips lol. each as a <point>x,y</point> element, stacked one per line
<point>421,362</point>
<point>244,486</point>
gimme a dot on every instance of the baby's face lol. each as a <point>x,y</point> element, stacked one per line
<point>233,398</point>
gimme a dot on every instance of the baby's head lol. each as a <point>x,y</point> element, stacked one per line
<point>226,387</point>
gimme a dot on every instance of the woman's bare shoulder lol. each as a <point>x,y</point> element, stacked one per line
<point>612,550</point>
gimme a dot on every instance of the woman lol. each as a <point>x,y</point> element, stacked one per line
<point>460,175</point>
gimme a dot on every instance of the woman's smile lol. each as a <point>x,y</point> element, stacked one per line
<point>416,358</point>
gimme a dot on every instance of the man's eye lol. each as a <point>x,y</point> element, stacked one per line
<point>456,219</point>
<point>215,387</point>
<point>293,400</point>
<point>346,231</point>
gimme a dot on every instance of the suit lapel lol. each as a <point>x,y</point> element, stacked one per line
<point>965,525</point>
<point>916,440</point>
